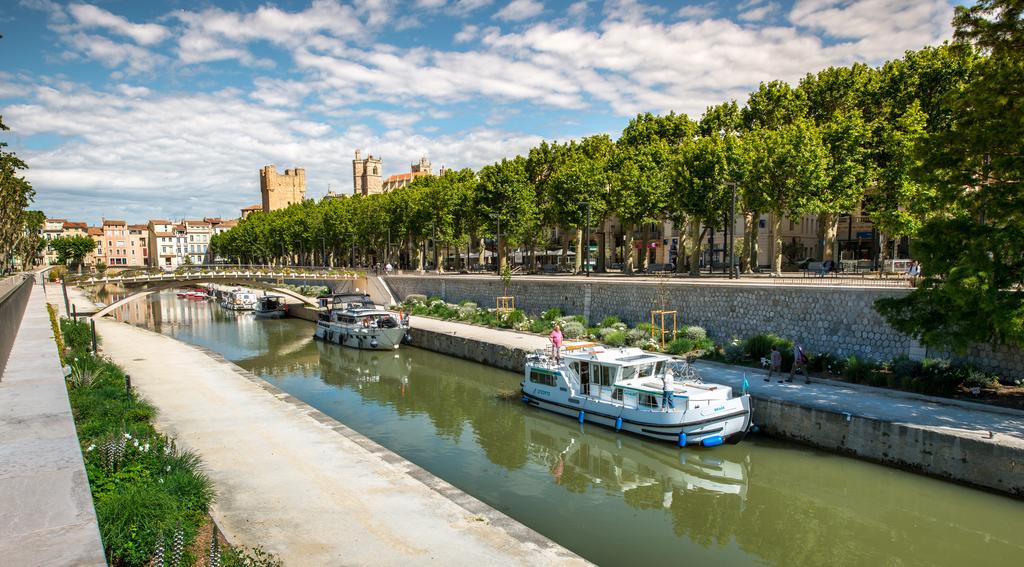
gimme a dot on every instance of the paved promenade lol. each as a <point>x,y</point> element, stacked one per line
<point>301,484</point>
<point>46,512</point>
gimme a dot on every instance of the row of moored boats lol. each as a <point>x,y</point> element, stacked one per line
<point>628,389</point>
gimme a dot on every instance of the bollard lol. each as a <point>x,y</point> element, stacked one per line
<point>64,287</point>
<point>127,384</point>
<point>92,323</point>
<point>74,312</point>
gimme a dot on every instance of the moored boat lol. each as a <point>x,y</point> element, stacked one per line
<point>352,319</point>
<point>239,300</point>
<point>271,307</point>
<point>623,388</point>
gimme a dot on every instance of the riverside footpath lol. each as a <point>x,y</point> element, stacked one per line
<point>960,441</point>
<point>301,484</point>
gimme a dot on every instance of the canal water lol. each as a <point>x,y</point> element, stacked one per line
<point>613,498</point>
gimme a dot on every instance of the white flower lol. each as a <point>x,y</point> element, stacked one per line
<point>168,468</point>
<point>90,448</point>
<point>145,447</point>
<point>135,442</point>
<point>127,435</point>
<point>161,481</point>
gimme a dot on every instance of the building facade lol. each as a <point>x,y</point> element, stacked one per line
<point>400,180</point>
<point>366,175</point>
<point>124,245</point>
<point>279,191</point>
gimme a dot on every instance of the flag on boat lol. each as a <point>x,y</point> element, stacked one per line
<point>746,385</point>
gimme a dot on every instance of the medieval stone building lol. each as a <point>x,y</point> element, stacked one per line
<point>366,175</point>
<point>279,191</point>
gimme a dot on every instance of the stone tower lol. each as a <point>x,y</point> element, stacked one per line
<point>422,167</point>
<point>279,191</point>
<point>366,175</point>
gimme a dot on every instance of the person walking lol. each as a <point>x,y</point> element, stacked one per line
<point>668,390</point>
<point>799,363</point>
<point>774,364</point>
<point>913,272</point>
<point>556,343</point>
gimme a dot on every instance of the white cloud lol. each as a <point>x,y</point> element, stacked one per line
<point>880,27</point>
<point>577,9</point>
<point>430,4</point>
<point>469,32</point>
<point>517,10</point>
<point>113,54</point>
<point>463,7</point>
<point>697,11</point>
<point>89,16</point>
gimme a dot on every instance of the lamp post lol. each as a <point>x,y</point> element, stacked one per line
<point>733,271</point>
<point>387,251</point>
<point>586,243</point>
<point>282,253</point>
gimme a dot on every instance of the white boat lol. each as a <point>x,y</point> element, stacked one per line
<point>239,300</point>
<point>351,319</point>
<point>622,388</point>
<point>271,307</point>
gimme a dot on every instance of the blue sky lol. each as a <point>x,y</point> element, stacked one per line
<point>139,110</point>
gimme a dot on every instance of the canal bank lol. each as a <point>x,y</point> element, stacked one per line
<point>949,439</point>
<point>303,485</point>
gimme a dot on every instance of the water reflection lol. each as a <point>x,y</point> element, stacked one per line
<point>614,498</point>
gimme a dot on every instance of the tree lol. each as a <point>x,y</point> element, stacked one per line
<point>785,171</point>
<point>579,187</point>
<point>972,250</point>
<point>638,189</point>
<point>504,195</point>
<point>72,250</point>
<point>698,189</point>
<point>16,194</point>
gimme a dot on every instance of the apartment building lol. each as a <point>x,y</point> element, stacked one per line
<point>125,246</point>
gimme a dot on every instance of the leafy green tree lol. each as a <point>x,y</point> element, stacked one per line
<point>639,190</point>
<point>580,182</point>
<point>504,194</point>
<point>972,249</point>
<point>16,194</point>
<point>72,250</point>
<point>785,171</point>
<point>698,189</point>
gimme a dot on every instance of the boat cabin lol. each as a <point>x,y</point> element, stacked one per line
<point>345,301</point>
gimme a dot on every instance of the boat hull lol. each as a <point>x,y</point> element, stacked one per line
<point>272,314</point>
<point>729,419</point>
<point>368,338</point>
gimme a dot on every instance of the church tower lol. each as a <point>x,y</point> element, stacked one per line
<point>279,191</point>
<point>366,175</point>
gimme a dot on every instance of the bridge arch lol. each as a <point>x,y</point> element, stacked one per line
<point>155,287</point>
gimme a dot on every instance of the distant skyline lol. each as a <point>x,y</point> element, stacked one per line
<point>139,110</point>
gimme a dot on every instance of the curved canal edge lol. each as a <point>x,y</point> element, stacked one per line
<point>964,442</point>
<point>302,484</point>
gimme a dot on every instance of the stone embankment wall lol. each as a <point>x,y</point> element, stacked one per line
<point>825,319</point>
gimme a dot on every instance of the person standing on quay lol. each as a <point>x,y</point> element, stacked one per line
<point>774,364</point>
<point>799,363</point>
<point>556,343</point>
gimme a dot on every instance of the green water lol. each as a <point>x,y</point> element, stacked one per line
<point>613,498</point>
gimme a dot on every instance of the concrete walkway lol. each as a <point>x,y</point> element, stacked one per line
<point>46,512</point>
<point>301,484</point>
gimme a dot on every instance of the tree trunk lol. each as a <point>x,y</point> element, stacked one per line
<point>694,239</point>
<point>776,240</point>
<point>502,255</point>
<point>564,261</point>
<point>627,266</point>
<point>752,242</point>
<point>826,236</point>
<point>578,262</point>
<point>682,259</point>
<point>419,257</point>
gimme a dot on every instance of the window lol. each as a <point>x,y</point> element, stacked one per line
<point>617,394</point>
<point>603,375</point>
<point>646,371</point>
<point>542,378</point>
<point>648,400</point>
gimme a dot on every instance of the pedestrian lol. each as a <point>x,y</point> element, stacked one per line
<point>556,343</point>
<point>799,363</point>
<point>667,390</point>
<point>388,268</point>
<point>913,272</point>
<point>774,364</point>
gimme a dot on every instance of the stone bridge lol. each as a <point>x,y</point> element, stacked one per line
<point>146,284</point>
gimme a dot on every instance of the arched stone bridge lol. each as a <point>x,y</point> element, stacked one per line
<point>261,279</point>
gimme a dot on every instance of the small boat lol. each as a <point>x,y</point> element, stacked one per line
<point>239,300</point>
<point>352,319</point>
<point>622,388</point>
<point>271,307</point>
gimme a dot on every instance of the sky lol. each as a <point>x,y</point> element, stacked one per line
<point>168,109</point>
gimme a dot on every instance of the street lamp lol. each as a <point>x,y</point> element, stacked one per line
<point>497,244</point>
<point>586,244</point>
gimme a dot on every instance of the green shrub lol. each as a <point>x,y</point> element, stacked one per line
<point>616,338</point>
<point>573,330</point>
<point>828,362</point>
<point>695,333</point>
<point>542,326</point>
<point>974,378</point>
<point>551,315</point>
<point>77,335</point>
<point>132,519</point>
<point>512,318</point>
<point>681,345</point>
<point>256,557</point>
<point>414,298</point>
<point>903,368</point>
<point>578,318</point>
<point>860,370</point>
<point>609,321</point>
<point>705,344</point>
<point>637,337</point>
<point>760,346</point>
<point>735,350</point>
<point>467,310</point>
